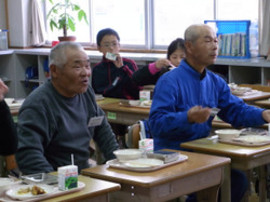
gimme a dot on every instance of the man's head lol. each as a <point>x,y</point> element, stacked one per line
<point>201,46</point>
<point>108,41</point>
<point>70,68</point>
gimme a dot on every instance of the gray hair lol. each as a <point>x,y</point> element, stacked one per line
<point>58,53</point>
<point>192,33</point>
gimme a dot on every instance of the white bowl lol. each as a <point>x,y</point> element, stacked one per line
<point>128,154</point>
<point>134,102</point>
<point>9,101</point>
<point>227,134</point>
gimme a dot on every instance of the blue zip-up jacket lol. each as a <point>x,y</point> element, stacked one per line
<point>182,88</point>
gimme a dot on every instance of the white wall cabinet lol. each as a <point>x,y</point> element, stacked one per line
<point>7,70</point>
<point>13,65</point>
<point>250,71</point>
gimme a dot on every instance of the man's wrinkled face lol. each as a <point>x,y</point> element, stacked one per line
<point>73,77</point>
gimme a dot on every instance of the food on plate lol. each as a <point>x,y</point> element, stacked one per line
<point>24,190</point>
<point>238,90</point>
<point>147,103</point>
<point>35,190</point>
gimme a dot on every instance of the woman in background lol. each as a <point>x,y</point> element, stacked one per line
<point>148,75</point>
<point>8,134</point>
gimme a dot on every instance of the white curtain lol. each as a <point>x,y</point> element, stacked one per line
<point>37,25</point>
<point>264,27</point>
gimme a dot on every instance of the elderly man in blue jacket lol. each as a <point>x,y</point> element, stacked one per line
<point>184,97</point>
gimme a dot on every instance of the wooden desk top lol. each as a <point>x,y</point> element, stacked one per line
<point>107,101</point>
<point>118,108</point>
<point>196,163</point>
<point>256,96</point>
<point>263,103</point>
<point>93,187</point>
<point>212,146</point>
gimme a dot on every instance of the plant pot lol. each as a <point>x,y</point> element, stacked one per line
<point>67,38</point>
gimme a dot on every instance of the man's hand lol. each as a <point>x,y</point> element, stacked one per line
<point>266,115</point>
<point>197,114</point>
<point>3,89</point>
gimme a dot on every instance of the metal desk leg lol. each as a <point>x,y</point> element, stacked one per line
<point>262,183</point>
<point>226,185</point>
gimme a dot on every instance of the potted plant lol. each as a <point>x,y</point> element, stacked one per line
<point>60,17</point>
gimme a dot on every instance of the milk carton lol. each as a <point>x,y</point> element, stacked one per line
<point>145,95</point>
<point>146,144</point>
<point>67,177</point>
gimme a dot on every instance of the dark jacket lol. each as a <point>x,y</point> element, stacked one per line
<point>8,133</point>
<point>111,81</point>
<point>144,77</point>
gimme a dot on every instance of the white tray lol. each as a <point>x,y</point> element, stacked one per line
<point>120,165</point>
<point>243,142</point>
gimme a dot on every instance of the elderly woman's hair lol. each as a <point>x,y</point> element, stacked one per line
<point>192,33</point>
<point>174,45</point>
<point>58,53</point>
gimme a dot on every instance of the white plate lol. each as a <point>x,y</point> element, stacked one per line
<point>13,193</point>
<point>143,163</point>
<point>252,139</point>
<point>6,183</point>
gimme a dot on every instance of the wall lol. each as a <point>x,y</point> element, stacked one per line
<point>19,21</point>
<point>2,15</point>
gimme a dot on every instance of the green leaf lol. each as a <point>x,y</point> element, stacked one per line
<point>71,24</point>
<point>59,15</point>
<point>76,7</point>
<point>81,15</point>
<point>53,24</point>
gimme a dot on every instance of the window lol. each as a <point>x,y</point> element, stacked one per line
<point>126,17</point>
<point>171,18</point>
<point>153,24</point>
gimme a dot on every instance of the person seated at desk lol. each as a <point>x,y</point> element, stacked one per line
<point>183,99</point>
<point>60,117</point>
<point>112,77</point>
<point>149,74</point>
<point>8,133</point>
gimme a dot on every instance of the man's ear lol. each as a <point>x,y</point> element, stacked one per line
<point>53,70</point>
<point>188,46</point>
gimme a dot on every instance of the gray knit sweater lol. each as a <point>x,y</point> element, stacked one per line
<point>51,127</point>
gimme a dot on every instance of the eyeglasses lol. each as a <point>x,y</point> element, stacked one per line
<point>108,45</point>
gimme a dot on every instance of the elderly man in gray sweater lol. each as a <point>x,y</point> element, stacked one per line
<point>60,117</point>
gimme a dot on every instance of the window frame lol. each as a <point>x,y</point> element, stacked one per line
<point>149,22</point>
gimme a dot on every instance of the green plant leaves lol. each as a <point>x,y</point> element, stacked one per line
<point>60,15</point>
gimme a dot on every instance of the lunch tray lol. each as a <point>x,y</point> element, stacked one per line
<point>125,103</point>
<point>55,193</point>
<point>116,164</point>
<point>243,143</point>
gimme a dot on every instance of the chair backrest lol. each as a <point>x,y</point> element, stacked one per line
<point>133,136</point>
<point>10,162</point>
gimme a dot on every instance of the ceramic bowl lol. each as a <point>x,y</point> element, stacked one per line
<point>128,154</point>
<point>9,101</point>
<point>227,134</point>
<point>134,102</point>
